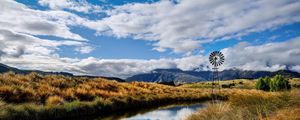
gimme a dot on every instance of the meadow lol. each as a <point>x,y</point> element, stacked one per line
<point>246,103</point>
<point>34,96</point>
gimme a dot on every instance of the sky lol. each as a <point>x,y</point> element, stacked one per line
<point>123,38</point>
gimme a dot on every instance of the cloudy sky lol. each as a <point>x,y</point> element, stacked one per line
<point>123,38</point>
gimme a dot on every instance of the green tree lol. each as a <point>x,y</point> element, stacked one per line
<point>279,83</point>
<point>263,84</point>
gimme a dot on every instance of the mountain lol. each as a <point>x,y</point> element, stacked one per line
<point>5,68</point>
<point>177,77</point>
<point>168,76</point>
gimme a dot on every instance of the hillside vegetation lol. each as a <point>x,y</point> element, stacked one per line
<point>35,96</point>
<point>246,103</point>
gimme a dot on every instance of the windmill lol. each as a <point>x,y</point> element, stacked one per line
<point>216,59</point>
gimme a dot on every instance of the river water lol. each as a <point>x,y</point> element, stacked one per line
<point>177,112</point>
<point>166,112</point>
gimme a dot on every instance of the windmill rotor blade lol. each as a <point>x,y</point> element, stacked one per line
<point>216,58</point>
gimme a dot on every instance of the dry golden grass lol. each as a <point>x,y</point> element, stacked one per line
<point>33,96</point>
<point>246,104</point>
<point>54,96</point>
<point>295,82</point>
<point>54,100</point>
<point>292,110</point>
<point>238,83</point>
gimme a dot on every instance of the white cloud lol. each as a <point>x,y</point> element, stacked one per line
<point>19,18</point>
<point>84,49</point>
<point>182,27</point>
<point>20,25</point>
<point>270,56</point>
<point>13,43</point>
<point>79,6</point>
<point>127,67</point>
<point>165,114</point>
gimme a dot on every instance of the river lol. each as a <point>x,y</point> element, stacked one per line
<point>169,112</point>
<point>178,112</point>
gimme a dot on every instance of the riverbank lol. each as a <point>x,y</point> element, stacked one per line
<point>248,103</point>
<point>58,97</point>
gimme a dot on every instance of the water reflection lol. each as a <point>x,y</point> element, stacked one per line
<point>178,112</point>
<point>169,112</point>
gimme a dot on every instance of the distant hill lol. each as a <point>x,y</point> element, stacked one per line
<point>5,68</point>
<point>168,76</point>
<point>177,76</point>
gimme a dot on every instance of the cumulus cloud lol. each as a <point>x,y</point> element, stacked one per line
<point>26,51</point>
<point>19,18</point>
<point>15,44</point>
<point>21,25</point>
<point>184,25</point>
<point>127,67</point>
<point>270,56</point>
<point>166,114</point>
<point>181,26</point>
<point>84,49</point>
<point>75,5</point>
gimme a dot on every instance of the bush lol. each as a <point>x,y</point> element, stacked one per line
<point>54,100</point>
<point>276,83</point>
<point>263,84</point>
<point>279,83</point>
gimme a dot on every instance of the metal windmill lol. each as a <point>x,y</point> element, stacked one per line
<point>216,58</point>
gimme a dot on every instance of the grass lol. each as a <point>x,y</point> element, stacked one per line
<point>238,83</point>
<point>34,96</point>
<point>56,97</point>
<point>251,104</point>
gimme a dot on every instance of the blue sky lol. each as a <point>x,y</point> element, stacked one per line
<point>118,48</point>
<point>123,38</point>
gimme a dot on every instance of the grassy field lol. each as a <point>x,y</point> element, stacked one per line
<point>59,97</point>
<point>52,96</point>
<point>238,83</point>
<point>246,103</point>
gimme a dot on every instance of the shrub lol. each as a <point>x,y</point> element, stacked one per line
<point>241,82</point>
<point>54,100</point>
<point>279,83</point>
<point>276,83</point>
<point>263,84</point>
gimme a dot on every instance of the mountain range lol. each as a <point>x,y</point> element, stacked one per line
<point>177,76</point>
<point>5,68</point>
<point>170,76</point>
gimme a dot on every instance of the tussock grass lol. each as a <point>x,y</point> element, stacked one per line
<point>295,82</point>
<point>253,105</point>
<point>292,110</point>
<point>238,83</point>
<point>35,96</point>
